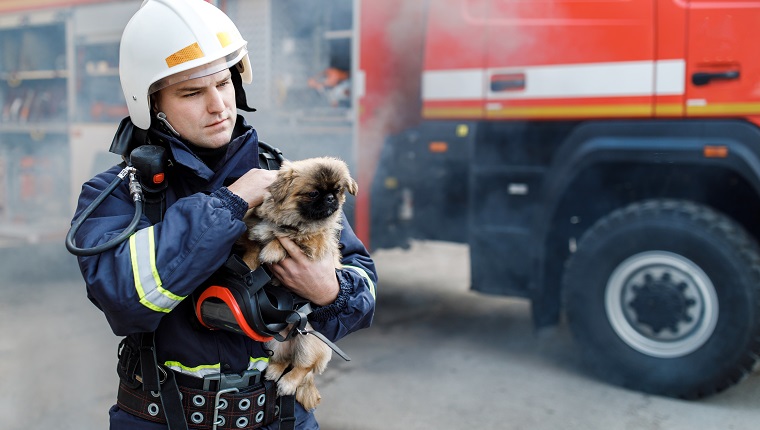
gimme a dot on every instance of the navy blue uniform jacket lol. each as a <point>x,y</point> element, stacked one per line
<point>144,284</point>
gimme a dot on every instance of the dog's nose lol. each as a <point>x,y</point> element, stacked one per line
<point>330,198</point>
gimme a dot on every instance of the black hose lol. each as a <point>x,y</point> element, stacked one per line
<point>124,235</point>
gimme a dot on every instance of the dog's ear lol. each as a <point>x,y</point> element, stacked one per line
<point>280,187</point>
<point>352,186</point>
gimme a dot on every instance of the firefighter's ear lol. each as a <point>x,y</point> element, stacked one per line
<point>153,101</point>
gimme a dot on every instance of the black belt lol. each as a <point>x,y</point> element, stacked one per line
<point>219,401</point>
<point>249,407</point>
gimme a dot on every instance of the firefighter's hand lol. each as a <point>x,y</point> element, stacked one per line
<point>252,186</point>
<point>312,280</point>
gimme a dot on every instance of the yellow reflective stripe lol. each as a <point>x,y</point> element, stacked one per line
<point>545,111</point>
<point>210,369</point>
<point>724,109</point>
<point>142,252</point>
<point>197,371</point>
<point>662,109</point>
<point>188,53</point>
<point>135,271</point>
<point>154,269</point>
<point>224,38</point>
<point>363,273</point>
<point>260,363</point>
<point>574,111</point>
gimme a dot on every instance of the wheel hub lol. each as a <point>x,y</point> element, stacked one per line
<point>661,304</point>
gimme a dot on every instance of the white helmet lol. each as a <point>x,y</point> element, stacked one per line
<point>171,41</point>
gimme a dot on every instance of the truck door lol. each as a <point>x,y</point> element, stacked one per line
<point>722,58</point>
<point>452,81</point>
<point>570,58</point>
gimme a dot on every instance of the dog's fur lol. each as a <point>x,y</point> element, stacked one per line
<point>304,203</point>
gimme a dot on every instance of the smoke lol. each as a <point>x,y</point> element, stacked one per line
<point>291,42</point>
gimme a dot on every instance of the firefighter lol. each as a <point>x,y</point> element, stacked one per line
<point>182,66</point>
<point>334,84</point>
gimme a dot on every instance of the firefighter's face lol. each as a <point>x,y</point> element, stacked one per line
<point>202,110</point>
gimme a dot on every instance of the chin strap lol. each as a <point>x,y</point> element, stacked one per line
<point>162,117</point>
<point>240,98</point>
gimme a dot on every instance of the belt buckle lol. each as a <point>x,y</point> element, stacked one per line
<point>219,421</point>
<point>232,380</point>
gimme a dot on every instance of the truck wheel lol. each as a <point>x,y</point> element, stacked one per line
<point>663,297</point>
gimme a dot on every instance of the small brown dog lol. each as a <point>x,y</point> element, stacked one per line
<point>304,203</point>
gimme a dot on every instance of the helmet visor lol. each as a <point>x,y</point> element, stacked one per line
<point>200,71</point>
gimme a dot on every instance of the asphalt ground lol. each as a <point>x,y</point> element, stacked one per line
<point>438,356</point>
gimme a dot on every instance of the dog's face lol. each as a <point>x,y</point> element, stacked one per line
<point>311,190</point>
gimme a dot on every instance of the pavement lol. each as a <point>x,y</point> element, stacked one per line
<point>438,356</point>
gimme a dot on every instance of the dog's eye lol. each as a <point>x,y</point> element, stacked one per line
<point>313,194</point>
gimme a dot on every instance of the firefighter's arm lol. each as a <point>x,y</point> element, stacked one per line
<point>354,307</point>
<point>147,276</point>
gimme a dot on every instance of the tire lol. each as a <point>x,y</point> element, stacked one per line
<point>663,297</point>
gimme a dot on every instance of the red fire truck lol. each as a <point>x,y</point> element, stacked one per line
<point>601,158</point>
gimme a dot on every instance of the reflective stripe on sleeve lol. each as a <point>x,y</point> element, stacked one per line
<point>142,251</point>
<point>363,273</point>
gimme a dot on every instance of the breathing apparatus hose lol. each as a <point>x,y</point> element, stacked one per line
<point>144,160</point>
<point>135,191</point>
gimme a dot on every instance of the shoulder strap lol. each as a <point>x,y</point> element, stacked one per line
<point>155,207</point>
<point>167,388</point>
<point>270,158</point>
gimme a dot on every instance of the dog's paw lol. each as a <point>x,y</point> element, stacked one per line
<point>274,371</point>
<point>287,386</point>
<point>308,396</point>
<point>272,252</point>
<point>296,377</point>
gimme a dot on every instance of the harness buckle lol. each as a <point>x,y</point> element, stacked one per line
<point>129,363</point>
<point>227,381</point>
